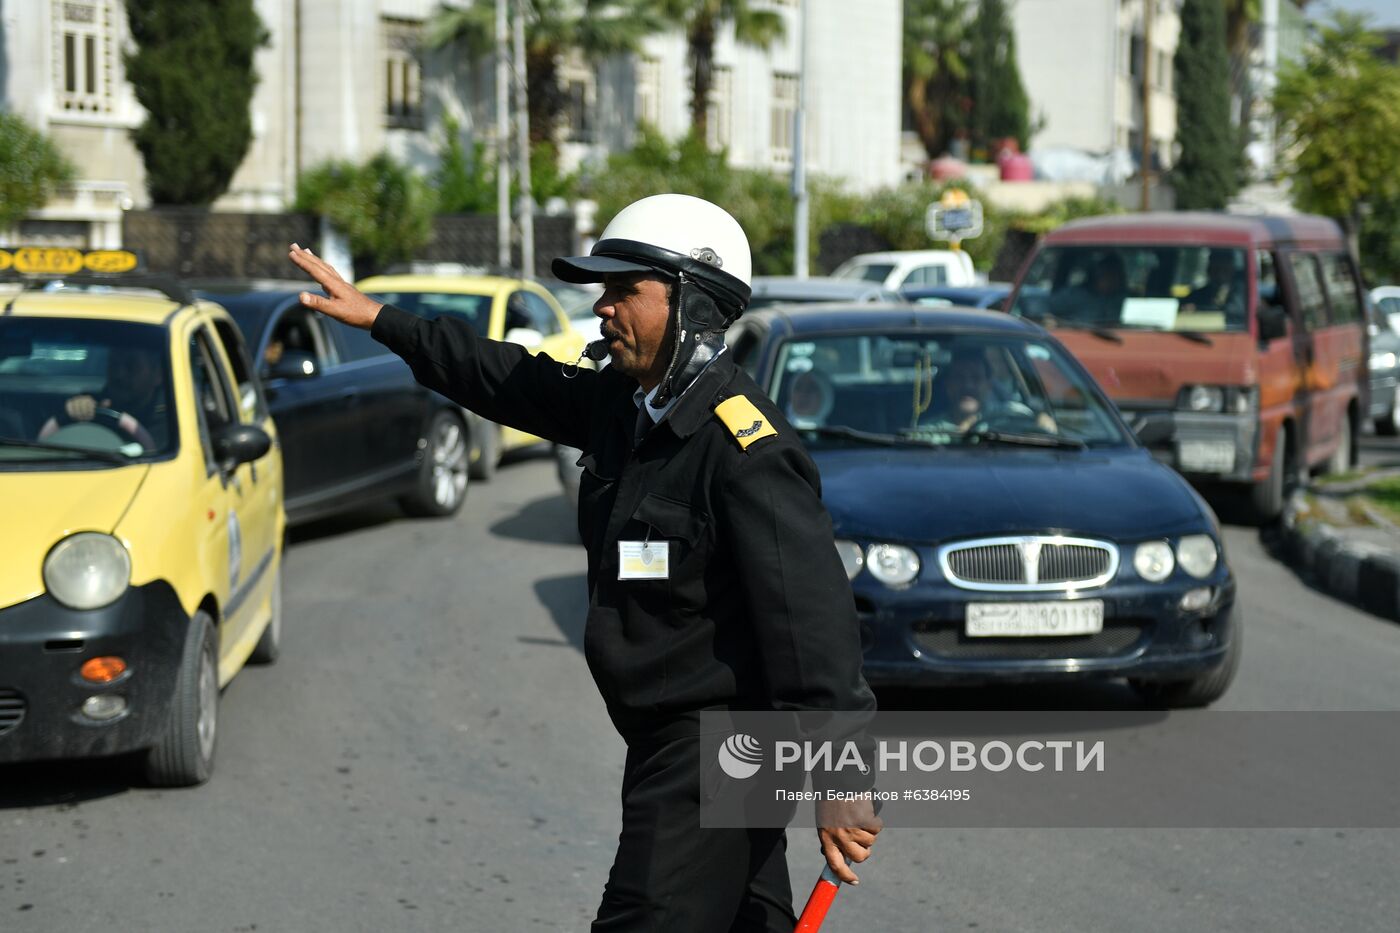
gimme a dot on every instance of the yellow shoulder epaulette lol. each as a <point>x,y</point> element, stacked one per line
<point>744,420</point>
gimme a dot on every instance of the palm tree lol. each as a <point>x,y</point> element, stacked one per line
<point>554,28</point>
<point>935,70</point>
<point>701,21</point>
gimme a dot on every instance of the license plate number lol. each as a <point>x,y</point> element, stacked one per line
<point>1206,456</point>
<point>1029,620</point>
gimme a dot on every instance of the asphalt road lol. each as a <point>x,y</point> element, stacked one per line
<point>430,754</point>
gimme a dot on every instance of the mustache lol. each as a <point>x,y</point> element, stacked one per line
<point>609,334</point>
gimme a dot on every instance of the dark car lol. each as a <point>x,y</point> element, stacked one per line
<point>993,295</point>
<point>998,519</point>
<point>353,423</point>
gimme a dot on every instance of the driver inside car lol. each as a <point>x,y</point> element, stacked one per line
<point>132,401</point>
<point>965,396</point>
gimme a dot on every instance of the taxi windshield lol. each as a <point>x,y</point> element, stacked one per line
<point>83,389</point>
<point>938,390</point>
<point>1198,289</point>
<point>474,309</point>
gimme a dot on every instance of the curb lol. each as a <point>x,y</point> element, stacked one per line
<point>1359,572</point>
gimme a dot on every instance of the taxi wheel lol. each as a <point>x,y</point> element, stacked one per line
<point>269,646</point>
<point>442,476</point>
<point>488,452</point>
<point>1198,691</point>
<point>1267,497</point>
<point>184,755</point>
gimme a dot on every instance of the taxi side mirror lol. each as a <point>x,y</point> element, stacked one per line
<point>1273,323</point>
<point>1154,429</point>
<point>241,443</point>
<point>525,336</point>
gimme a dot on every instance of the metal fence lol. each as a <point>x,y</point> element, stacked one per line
<point>193,243</point>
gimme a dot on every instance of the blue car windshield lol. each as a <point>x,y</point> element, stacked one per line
<point>1198,289</point>
<point>84,385</point>
<point>944,389</point>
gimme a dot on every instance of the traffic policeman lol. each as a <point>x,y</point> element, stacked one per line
<point>713,579</point>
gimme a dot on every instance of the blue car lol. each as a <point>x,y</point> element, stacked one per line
<point>998,519</point>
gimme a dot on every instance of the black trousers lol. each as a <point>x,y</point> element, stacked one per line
<point>669,874</point>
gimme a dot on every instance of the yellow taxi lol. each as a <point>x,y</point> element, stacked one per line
<point>141,489</point>
<point>515,310</point>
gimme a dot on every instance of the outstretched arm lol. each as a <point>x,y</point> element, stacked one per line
<point>500,381</point>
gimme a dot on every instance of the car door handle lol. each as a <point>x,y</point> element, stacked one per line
<point>351,394</point>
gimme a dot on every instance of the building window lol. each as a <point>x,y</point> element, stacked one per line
<point>580,111</point>
<point>719,118</point>
<point>649,91</point>
<point>403,73</point>
<point>784,113</point>
<point>83,56</point>
<point>1164,72</point>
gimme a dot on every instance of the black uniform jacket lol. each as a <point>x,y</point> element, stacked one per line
<point>757,612</point>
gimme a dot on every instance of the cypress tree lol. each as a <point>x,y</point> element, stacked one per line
<point>1206,173</point>
<point>193,72</point>
<point>1000,107</point>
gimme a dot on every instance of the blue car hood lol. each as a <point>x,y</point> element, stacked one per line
<point>930,496</point>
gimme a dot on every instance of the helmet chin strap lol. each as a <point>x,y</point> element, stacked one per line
<point>699,325</point>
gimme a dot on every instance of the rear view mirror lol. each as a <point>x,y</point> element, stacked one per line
<point>241,443</point>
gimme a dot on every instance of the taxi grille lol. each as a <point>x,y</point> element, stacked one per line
<point>1119,636</point>
<point>12,708</point>
<point>1029,563</point>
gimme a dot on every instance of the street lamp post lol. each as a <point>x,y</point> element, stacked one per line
<point>502,138</point>
<point>522,127</point>
<point>801,207</point>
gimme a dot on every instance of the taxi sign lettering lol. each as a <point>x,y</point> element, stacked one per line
<point>48,260</point>
<point>6,260</point>
<point>110,260</point>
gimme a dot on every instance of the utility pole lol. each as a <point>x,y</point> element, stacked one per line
<point>522,128</point>
<point>502,138</point>
<point>799,154</point>
<point>1146,170</point>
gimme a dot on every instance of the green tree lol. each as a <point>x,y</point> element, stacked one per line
<point>1338,109</point>
<point>465,181</point>
<point>999,106</point>
<point>192,71</point>
<point>935,70</point>
<point>383,207</point>
<point>553,29</point>
<point>31,169</point>
<point>1207,171</point>
<point>702,21</point>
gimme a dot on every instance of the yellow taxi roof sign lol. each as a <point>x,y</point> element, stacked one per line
<point>64,260</point>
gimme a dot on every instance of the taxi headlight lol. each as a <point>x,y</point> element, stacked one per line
<point>1197,555</point>
<point>892,564</point>
<point>1153,561</point>
<point>87,570</point>
<point>852,557</point>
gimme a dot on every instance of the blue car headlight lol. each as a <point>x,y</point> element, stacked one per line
<point>1197,555</point>
<point>852,557</point>
<point>1153,561</point>
<point>892,564</point>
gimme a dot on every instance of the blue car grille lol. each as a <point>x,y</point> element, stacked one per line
<point>11,710</point>
<point>1040,563</point>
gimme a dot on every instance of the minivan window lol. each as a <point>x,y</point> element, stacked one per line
<point>1341,288</point>
<point>1173,288</point>
<point>867,272</point>
<point>1309,285</point>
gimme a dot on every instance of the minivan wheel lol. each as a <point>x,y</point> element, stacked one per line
<point>1340,461</point>
<point>1266,497</point>
<point>442,475</point>
<point>184,754</point>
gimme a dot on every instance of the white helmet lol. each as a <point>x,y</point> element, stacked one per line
<point>677,235</point>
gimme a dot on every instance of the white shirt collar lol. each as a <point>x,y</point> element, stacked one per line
<point>657,414</point>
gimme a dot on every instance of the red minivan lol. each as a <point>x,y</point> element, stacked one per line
<point>1235,345</point>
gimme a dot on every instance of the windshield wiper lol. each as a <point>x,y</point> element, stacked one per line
<point>1026,440</point>
<point>865,437</point>
<point>110,456</point>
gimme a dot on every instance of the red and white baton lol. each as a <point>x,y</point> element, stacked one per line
<point>819,902</point>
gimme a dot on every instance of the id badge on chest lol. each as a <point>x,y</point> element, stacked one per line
<point>643,560</point>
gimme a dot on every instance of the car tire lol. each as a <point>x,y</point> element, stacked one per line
<point>1341,460</point>
<point>1198,691</point>
<point>443,472</point>
<point>1266,497</point>
<point>184,754</point>
<point>1389,424</point>
<point>483,468</point>
<point>269,646</point>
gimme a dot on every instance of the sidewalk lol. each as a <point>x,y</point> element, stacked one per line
<point>1345,545</point>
